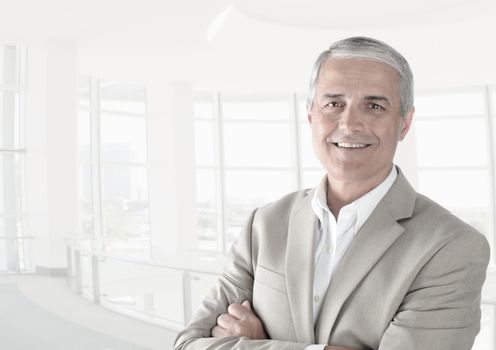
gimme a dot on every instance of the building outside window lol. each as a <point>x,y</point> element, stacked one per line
<point>248,153</point>
<point>14,238</point>
<point>455,154</point>
<point>113,167</point>
<point>253,149</point>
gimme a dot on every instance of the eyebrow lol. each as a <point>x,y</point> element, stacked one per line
<point>331,96</point>
<point>378,98</point>
<point>367,98</point>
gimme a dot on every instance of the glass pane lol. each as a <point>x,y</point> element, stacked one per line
<point>122,97</point>
<point>463,192</point>
<point>85,200</point>
<point>493,100</point>
<point>206,197</point>
<point>203,109</point>
<point>205,143</point>
<point>25,252</point>
<point>302,110</point>
<point>123,138</point>
<point>86,276</point>
<point>257,144</point>
<point>450,104</point>
<point>2,49</point>
<point>126,214</point>
<point>256,110</point>
<point>9,260</point>
<point>312,178</point>
<point>143,290</point>
<point>485,339</point>
<point>9,120</point>
<point>451,142</point>
<point>84,92</point>
<point>10,188</point>
<point>246,190</point>
<point>9,70</point>
<point>84,133</point>
<point>308,157</point>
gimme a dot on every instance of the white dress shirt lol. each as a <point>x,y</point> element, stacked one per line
<point>333,237</point>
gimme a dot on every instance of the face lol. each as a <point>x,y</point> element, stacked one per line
<point>355,119</point>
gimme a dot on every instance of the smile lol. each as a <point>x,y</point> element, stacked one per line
<point>351,145</point>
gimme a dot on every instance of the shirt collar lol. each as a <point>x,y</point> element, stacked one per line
<point>363,205</point>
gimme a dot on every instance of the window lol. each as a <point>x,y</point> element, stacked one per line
<point>113,176</point>
<point>455,154</point>
<point>14,241</point>
<point>247,154</point>
<point>252,149</point>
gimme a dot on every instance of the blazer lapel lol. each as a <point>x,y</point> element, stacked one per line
<point>377,234</point>
<point>300,267</point>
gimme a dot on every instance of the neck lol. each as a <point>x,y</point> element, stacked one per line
<point>342,191</point>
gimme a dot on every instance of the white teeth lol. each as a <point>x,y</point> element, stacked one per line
<point>351,145</point>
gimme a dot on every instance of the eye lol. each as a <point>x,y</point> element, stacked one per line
<point>376,106</point>
<point>334,104</point>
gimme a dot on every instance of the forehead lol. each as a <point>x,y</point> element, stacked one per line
<point>356,76</point>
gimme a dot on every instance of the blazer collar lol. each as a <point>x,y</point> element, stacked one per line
<point>300,267</point>
<point>376,235</point>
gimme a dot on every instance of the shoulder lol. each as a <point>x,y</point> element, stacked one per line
<point>435,223</point>
<point>283,206</point>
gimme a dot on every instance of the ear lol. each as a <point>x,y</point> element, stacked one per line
<point>406,123</point>
<point>309,115</point>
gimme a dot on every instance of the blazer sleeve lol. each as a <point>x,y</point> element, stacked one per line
<point>235,286</point>
<point>442,308</point>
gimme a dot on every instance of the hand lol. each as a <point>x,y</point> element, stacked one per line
<point>240,321</point>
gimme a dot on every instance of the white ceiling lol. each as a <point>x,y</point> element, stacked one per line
<point>185,20</point>
<point>258,39</point>
<point>152,21</point>
<point>360,14</point>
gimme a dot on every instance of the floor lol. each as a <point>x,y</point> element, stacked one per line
<point>42,313</point>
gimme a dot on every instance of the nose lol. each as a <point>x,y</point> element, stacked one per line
<point>351,120</point>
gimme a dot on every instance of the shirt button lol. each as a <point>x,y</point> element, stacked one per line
<point>329,249</point>
<point>316,298</point>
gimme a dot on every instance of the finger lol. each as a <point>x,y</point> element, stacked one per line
<point>219,332</point>
<point>226,321</point>
<point>247,305</point>
<point>238,311</point>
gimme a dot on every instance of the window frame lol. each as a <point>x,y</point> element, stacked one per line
<point>21,238</point>
<point>98,240</point>
<point>294,120</point>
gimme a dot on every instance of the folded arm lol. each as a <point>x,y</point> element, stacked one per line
<point>442,309</point>
<point>234,287</point>
<point>225,319</point>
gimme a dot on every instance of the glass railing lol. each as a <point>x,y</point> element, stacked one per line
<point>167,294</point>
<point>15,254</point>
<point>158,292</point>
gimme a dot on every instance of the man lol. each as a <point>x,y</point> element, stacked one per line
<point>362,261</point>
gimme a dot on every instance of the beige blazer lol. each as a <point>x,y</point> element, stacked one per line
<point>411,279</point>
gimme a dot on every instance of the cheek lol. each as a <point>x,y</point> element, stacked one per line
<point>389,139</point>
<point>321,127</point>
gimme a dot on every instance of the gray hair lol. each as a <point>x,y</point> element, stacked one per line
<point>372,49</point>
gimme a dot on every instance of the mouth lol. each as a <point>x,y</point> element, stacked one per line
<point>351,146</point>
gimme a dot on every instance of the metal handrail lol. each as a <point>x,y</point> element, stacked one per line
<point>488,301</point>
<point>142,262</point>
<point>13,150</point>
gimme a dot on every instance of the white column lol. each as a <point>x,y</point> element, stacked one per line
<point>172,167</point>
<point>51,149</point>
